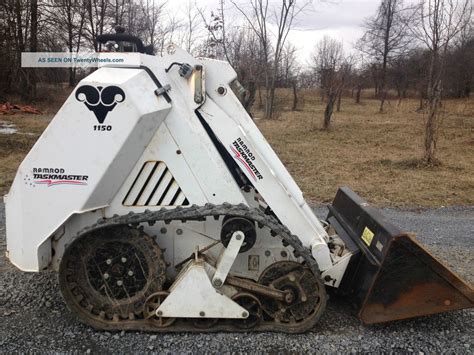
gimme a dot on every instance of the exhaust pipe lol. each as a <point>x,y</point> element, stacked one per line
<point>391,276</point>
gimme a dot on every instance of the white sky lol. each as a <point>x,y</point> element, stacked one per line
<point>340,19</point>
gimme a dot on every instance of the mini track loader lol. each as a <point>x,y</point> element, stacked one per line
<point>163,208</point>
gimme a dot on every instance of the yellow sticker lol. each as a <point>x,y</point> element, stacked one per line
<point>367,236</point>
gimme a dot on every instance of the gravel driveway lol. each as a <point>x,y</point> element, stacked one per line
<point>34,317</point>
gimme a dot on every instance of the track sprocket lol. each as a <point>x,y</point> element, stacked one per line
<point>304,291</point>
<point>110,273</point>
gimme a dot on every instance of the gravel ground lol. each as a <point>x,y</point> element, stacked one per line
<point>34,317</point>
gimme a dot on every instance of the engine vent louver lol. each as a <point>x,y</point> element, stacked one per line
<point>155,186</point>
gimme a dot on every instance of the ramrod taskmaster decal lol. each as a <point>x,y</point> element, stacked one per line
<point>245,157</point>
<point>54,176</point>
<point>100,100</point>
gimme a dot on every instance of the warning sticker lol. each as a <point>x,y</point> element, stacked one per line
<point>367,236</point>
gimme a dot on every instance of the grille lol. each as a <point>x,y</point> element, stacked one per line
<point>155,186</point>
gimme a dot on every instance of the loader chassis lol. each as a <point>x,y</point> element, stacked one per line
<point>300,282</point>
<point>167,210</point>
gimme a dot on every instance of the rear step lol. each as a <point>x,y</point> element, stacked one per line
<point>391,275</point>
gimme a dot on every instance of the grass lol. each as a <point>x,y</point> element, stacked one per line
<point>377,155</point>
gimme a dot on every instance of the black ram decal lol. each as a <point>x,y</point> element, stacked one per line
<point>100,100</point>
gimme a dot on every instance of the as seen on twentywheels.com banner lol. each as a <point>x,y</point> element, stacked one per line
<point>76,59</point>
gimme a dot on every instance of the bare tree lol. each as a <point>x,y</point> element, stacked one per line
<point>328,60</point>
<point>97,17</point>
<point>68,18</point>
<point>192,26</point>
<point>386,37</point>
<point>440,22</point>
<point>290,69</point>
<point>33,46</point>
<point>344,75</point>
<point>360,78</point>
<point>459,75</point>
<point>216,44</point>
<point>258,19</point>
<point>151,16</point>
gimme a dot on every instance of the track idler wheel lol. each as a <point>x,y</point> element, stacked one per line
<point>253,307</point>
<point>110,273</point>
<point>305,292</point>
<point>204,323</point>
<point>152,303</point>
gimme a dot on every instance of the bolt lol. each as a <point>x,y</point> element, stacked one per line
<point>245,314</point>
<point>159,313</point>
<point>202,314</point>
<point>304,298</point>
<point>267,253</point>
<point>124,260</point>
<point>292,278</point>
<point>284,254</point>
<point>179,231</point>
<point>109,261</point>
<point>217,282</point>
<point>130,273</point>
<point>221,90</point>
<point>447,302</point>
<point>163,230</point>
<point>106,276</point>
<point>119,283</point>
<point>238,237</point>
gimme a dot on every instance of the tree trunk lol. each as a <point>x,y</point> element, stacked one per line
<point>33,48</point>
<point>339,95</point>
<point>250,97</point>
<point>431,130</point>
<point>433,94</point>
<point>382,92</point>
<point>70,25</point>
<point>271,101</point>
<point>329,110</point>
<point>295,97</point>
<point>421,106</point>
<point>22,77</point>
<point>358,92</point>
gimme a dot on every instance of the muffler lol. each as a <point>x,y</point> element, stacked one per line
<point>391,276</point>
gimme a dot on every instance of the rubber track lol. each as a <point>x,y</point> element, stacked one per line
<point>199,213</point>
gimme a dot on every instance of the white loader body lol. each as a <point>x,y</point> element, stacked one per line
<point>144,127</point>
<point>156,197</point>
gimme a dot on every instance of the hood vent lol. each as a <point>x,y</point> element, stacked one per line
<point>155,186</point>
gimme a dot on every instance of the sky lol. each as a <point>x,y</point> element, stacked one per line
<point>339,19</point>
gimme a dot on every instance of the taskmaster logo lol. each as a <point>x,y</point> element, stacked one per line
<point>245,157</point>
<point>100,100</point>
<point>54,176</point>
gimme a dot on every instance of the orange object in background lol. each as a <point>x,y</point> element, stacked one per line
<point>9,109</point>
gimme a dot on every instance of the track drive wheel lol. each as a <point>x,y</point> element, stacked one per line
<point>306,294</point>
<point>107,275</point>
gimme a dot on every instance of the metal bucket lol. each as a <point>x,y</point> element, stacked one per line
<point>391,276</point>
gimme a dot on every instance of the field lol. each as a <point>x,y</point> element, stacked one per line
<point>377,155</point>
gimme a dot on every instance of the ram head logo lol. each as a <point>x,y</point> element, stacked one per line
<point>100,100</point>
